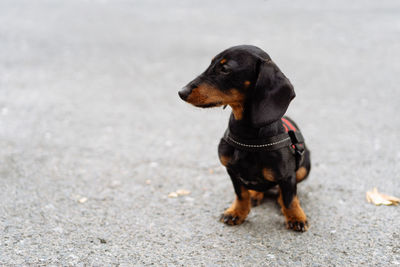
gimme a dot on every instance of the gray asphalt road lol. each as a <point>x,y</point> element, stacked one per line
<point>93,135</point>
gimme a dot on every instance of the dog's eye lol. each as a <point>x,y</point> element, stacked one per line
<point>225,69</point>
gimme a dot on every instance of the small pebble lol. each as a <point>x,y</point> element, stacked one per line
<point>153,164</point>
<point>115,184</point>
<point>172,195</point>
<point>168,143</point>
<point>82,200</point>
<point>183,192</point>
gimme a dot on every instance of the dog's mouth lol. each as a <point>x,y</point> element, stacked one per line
<point>209,105</point>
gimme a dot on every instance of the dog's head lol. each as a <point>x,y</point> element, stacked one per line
<point>245,78</point>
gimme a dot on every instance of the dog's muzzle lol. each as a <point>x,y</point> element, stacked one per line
<point>186,91</point>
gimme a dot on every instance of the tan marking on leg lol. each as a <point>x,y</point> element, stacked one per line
<point>295,217</point>
<point>224,160</point>
<point>301,173</point>
<point>268,175</point>
<point>256,197</point>
<point>239,209</point>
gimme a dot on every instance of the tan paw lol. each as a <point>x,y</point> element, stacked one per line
<point>300,226</point>
<point>232,217</point>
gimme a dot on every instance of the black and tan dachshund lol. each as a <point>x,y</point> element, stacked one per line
<point>261,148</point>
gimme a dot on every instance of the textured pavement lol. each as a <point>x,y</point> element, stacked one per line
<point>94,137</point>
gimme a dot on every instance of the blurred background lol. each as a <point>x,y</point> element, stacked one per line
<point>94,137</point>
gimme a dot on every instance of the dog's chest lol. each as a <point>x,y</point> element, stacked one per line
<point>251,171</point>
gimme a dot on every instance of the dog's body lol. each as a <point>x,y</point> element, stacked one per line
<point>261,148</point>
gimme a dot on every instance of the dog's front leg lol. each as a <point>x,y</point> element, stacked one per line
<point>240,207</point>
<point>290,205</point>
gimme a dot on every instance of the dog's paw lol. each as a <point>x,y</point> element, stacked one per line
<point>299,226</point>
<point>232,218</point>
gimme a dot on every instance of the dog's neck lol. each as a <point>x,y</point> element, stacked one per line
<point>237,110</point>
<point>244,129</point>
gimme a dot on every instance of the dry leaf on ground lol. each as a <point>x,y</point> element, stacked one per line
<point>381,199</point>
<point>178,193</point>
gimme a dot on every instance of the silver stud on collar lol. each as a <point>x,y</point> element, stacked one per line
<point>263,145</point>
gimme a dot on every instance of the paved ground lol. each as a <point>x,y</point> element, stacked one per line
<point>93,135</point>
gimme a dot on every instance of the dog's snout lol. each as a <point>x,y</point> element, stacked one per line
<point>185,92</point>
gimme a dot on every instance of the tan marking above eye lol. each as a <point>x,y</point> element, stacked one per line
<point>223,61</point>
<point>246,84</point>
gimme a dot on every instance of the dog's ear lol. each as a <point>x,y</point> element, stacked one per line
<point>271,96</point>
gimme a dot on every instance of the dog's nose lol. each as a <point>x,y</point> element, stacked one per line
<point>185,92</point>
